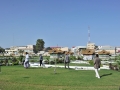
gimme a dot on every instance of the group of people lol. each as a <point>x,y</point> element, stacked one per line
<point>26,61</point>
<point>97,62</point>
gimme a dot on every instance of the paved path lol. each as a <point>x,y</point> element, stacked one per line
<point>73,67</point>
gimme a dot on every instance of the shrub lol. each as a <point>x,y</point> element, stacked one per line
<point>52,62</point>
<point>80,58</point>
<point>21,58</point>
<point>61,61</point>
<point>91,62</point>
<point>46,62</point>
<point>45,57</point>
<point>118,63</point>
<point>72,58</point>
<point>6,62</point>
<point>32,60</point>
<point>16,62</point>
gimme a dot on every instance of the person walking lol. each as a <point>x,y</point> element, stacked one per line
<point>26,62</point>
<point>41,59</point>
<point>67,60</point>
<point>97,63</point>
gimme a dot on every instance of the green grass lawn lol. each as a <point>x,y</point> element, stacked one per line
<point>19,78</point>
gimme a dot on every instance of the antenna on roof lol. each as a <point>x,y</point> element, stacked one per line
<point>88,34</point>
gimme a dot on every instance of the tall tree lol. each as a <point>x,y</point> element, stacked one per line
<point>47,49</point>
<point>2,49</point>
<point>40,45</point>
<point>34,49</point>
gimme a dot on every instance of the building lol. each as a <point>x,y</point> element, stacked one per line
<point>88,54</point>
<point>91,45</point>
<point>64,49</point>
<point>107,48</point>
<point>56,53</point>
<point>17,50</point>
<point>61,48</point>
<point>77,50</point>
<point>104,55</point>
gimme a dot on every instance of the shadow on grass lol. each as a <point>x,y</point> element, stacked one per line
<point>35,68</point>
<point>55,73</point>
<point>105,75</point>
<point>26,77</point>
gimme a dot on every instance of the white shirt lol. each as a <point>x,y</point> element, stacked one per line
<point>27,57</point>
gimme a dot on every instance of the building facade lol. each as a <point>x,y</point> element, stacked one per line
<point>108,49</point>
<point>90,45</point>
<point>18,50</point>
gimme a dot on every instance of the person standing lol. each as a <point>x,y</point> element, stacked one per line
<point>41,59</point>
<point>97,63</point>
<point>26,62</point>
<point>67,60</point>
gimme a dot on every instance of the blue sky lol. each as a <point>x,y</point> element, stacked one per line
<point>59,22</point>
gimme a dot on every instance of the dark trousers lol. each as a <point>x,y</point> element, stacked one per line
<point>26,64</point>
<point>67,64</point>
<point>41,62</point>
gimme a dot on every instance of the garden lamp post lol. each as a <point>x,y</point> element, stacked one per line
<point>55,63</point>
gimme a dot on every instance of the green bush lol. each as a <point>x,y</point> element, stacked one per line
<point>59,60</point>
<point>118,63</point>
<point>32,60</point>
<point>46,57</point>
<point>91,62</point>
<point>15,63</point>
<point>52,62</point>
<point>46,62</point>
<point>21,58</point>
<point>72,58</point>
<point>80,58</point>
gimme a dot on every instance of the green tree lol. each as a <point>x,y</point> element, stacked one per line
<point>21,58</point>
<point>48,48</point>
<point>2,49</point>
<point>34,49</point>
<point>40,45</point>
